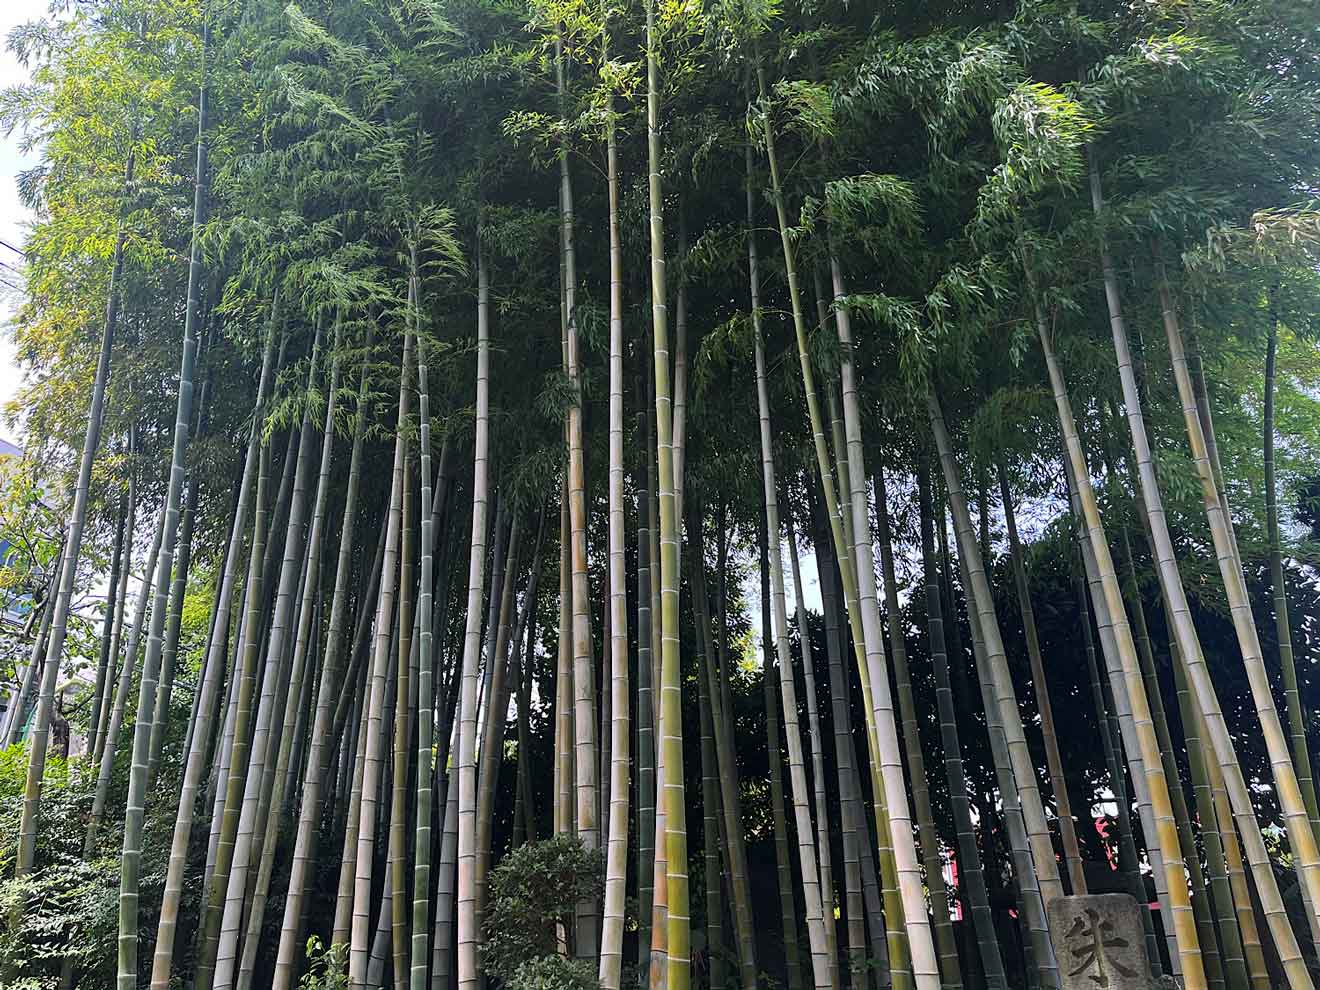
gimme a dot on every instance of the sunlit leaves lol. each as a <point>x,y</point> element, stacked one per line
<point>735,25</point>
<point>1041,134</point>
<point>884,204</point>
<point>792,106</point>
<point>1163,65</point>
<point>1285,234</point>
<point>978,77</point>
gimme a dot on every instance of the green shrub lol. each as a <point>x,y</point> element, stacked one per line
<point>555,972</point>
<point>532,894</point>
<point>327,966</point>
<point>67,910</point>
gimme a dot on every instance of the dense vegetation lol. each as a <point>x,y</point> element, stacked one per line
<point>431,409</point>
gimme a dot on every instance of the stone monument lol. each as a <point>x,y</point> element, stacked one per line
<point>1099,943</point>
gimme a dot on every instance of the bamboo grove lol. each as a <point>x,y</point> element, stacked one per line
<point>670,494</point>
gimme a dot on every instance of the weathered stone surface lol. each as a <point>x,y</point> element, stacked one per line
<point>1099,942</point>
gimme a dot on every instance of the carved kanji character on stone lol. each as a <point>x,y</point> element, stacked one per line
<point>1087,940</point>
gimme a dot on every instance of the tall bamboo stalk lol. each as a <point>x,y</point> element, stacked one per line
<point>1122,721</point>
<point>586,784</point>
<point>1221,896</point>
<point>898,851</point>
<point>442,947</point>
<point>1005,698</point>
<point>491,754</point>
<point>134,811</point>
<point>20,699</point>
<point>1237,878</point>
<point>1181,918</point>
<point>1223,920</point>
<point>680,388</point>
<point>1205,926</point>
<point>1109,743</point>
<point>178,589</point>
<point>616,866</point>
<point>716,680</point>
<point>258,771</point>
<point>930,847</point>
<point>405,706</point>
<point>1283,628</point>
<point>293,766</point>
<point>98,727</point>
<point>286,960</point>
<point>40,733</point>
<point>907,923</point>
<point>820,807</point>
<point>807,858</point>
<point>1019,792</point>
<point>1301,836</point>
<point>563,777</point>
<point>343,920</point>
<point>1038,958</point>
<point>217,782</point>
<point>143,749</point>
<point>467,734</point>
<point>1185,636</point>
<point>972,877</point>
<point>234,741</point>
<point>419,957</point>
<point>11,727</point>
<point>119,707</point>
<point>653,509</point>
<point>855,834</point>
<point>646,789</point>
<point>659,928</point>
<point>113,615</point>
<point>174,619</point>
<point>678,941</point>
<point>1188,644</point>
<point>710,829</point>
<point>374,754</point>
<point>1072,854</point>
<point>308,603</point>
<point>606,707</point>
<point>783,865</point>
<point>524,809</point>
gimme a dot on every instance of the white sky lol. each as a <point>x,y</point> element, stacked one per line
<point>13,217</point>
